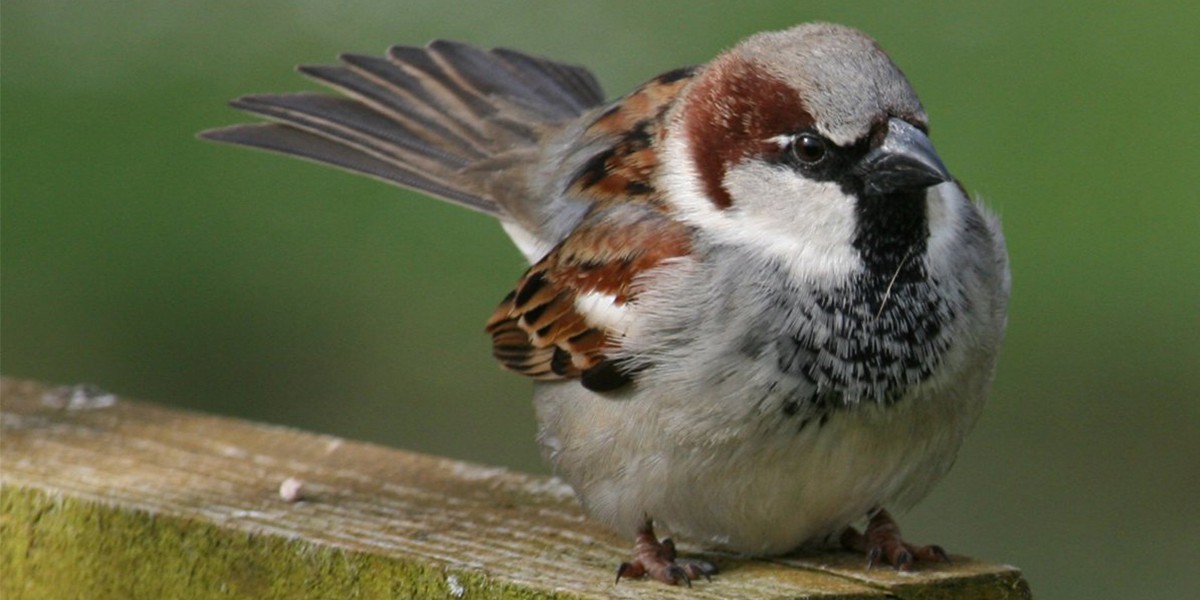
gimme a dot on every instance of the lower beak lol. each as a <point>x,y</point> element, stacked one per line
<point>904,162</point>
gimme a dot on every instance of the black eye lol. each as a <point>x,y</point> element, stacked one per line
<point>808,148</point>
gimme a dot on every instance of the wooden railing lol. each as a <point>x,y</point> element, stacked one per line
<point>110,498</point>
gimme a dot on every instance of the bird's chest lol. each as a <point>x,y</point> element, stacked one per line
<point>782,346</point>
<point>866,341</point>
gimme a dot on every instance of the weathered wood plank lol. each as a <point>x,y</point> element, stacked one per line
<point>132,500</point>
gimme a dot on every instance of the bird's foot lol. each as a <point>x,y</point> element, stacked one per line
<point>881,541</point>
<point>658,560</point>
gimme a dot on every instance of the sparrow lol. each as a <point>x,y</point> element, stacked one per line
<point>760,309</point>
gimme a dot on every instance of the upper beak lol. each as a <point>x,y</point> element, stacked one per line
<point>905,161</point>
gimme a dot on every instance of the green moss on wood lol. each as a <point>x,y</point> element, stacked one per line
<point>53,547</point>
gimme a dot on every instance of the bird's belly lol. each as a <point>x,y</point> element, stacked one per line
<point>750,483</point>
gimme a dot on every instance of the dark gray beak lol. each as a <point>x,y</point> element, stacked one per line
<point>904,162</point>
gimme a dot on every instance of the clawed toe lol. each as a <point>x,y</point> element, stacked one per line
<point>881,541</point>
<point>656,559</point>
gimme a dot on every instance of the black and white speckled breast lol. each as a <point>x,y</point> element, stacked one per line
<point>856,343</point>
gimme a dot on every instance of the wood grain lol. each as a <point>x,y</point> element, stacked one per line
<point>112,498</point>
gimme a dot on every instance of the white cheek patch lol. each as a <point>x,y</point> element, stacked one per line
<point>807,225</point>
<point>603,310</point>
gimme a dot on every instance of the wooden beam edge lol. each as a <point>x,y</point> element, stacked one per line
<point>73,525</point>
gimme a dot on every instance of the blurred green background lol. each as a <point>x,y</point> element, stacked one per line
<point>215,278</point>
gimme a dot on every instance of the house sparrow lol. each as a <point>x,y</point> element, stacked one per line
<point>759,308</point>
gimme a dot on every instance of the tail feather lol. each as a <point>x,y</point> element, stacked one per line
<point>290,140</point>
<point>387,88</point>
<point>484,72</point>
<point>576,85</point>
<point>350,123</point>
<point>388,101</point>
<point>443,119</point>
<point>454,97</point>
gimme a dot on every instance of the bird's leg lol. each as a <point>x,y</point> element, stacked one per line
<point>881,540</point>
<point>657,560</point>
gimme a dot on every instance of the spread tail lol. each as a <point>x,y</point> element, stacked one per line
<point>421,118</point>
